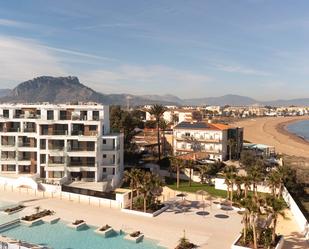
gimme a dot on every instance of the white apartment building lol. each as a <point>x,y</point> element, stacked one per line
<point>205,137</point>
<point>60,142</point>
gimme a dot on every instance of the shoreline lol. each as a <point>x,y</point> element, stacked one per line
<point>273,131</point>
<point>283,129</point>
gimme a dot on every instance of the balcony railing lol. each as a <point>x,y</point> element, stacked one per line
<point>73,149</point>
<point>81,164</point>
<point>8,145</point>
<point>29,145</point>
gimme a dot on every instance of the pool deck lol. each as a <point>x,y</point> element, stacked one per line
<point>208,231</point>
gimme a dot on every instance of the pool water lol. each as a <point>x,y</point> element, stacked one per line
<point>59,236</point>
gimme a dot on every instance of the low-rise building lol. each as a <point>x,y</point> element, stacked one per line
<point>214,139</point>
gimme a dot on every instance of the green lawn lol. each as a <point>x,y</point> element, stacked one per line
<point>184,187</point>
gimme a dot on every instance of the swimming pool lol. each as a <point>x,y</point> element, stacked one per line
<point>59,236</point>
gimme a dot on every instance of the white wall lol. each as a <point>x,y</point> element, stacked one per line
<point>297,213</point>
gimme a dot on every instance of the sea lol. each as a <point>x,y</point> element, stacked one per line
<point>300,128</point>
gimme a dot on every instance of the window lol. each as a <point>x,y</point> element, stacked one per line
<point>92,127</point>
<point>50,115</point>
<point>95,115</point>
<point>104,170</point>
<point>104,141</point>
<point>5,113</point>
<point>104,155</point>
<point>187,134</point>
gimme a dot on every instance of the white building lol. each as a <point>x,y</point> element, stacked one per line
<point>60,142</point>
<point>206,137</point>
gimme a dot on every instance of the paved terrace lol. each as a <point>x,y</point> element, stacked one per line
<point>207,231</point>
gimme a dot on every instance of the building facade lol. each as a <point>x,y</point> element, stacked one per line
<point>60,142</point>
<point>213,139</point>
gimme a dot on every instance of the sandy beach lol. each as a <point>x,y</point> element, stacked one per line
<point>272,131</point>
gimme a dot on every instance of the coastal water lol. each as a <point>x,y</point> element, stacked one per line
<point>300,128</point>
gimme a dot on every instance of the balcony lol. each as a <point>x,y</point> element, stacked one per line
<point>29,130</point>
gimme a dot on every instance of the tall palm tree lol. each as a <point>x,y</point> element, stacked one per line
<point>273,181</point>
<point>163,126</point>
<point>277,207</point>
<point>157,111</point>
<point>190,164</point>
<point>133,177</point>
<point>247,184</point>
<point>177,164</point>
<point>230,174</point>
<point>231,144</point>
<point>256,176</point>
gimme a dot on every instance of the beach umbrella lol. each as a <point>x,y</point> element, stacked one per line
<point>202,193</point>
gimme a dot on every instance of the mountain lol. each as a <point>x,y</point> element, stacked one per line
<point>167,97</point>
<point>229,99</point>
<point>67,89</point>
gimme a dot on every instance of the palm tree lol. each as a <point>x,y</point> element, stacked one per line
<point>273,181</point>
<point>256,176</point>
<point>150,186</point>
<point>163,126</point>
<point>238,182</point>
<point>231,144</point>
<point>203,172</point>
<point>177,164</point>
<point>230,174</point>
<point>157,111</point>
<point>277,207</point>
<point>133,177</point>
<point>190,165</point>
<point>247,184</point>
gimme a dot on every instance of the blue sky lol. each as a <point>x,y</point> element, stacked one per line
<point>198,48</point>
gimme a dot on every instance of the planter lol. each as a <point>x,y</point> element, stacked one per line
<point>136,239</point>
<point>77,226</point>
<point>51,219</point>
<point>106,232</point>
<point>234,246</point>
<point>31,223</point>
<point>140,213</point>
<point>19,208</point>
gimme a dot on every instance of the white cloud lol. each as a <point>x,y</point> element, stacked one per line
<point>12,23</point>
<point>22,59</point>
<point>145,79</point>
<point>241,70</point>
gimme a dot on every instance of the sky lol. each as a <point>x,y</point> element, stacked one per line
<point>192,49</point>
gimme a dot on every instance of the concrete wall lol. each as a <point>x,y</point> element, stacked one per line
<point>297,213</point>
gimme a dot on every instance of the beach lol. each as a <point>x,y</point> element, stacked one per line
<point>272,131</point>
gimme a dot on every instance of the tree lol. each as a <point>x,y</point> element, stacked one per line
<point>150,187</point>
<point>163,126</point>
<point>256,177</point>
<point>157,111</point>
<point>231,145</point>
<point>277,207</point>
<point>190,164</point>
<point>247,184</point>
<point>229,175</point>
<point>133,177</point>
<point>177,164</point>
